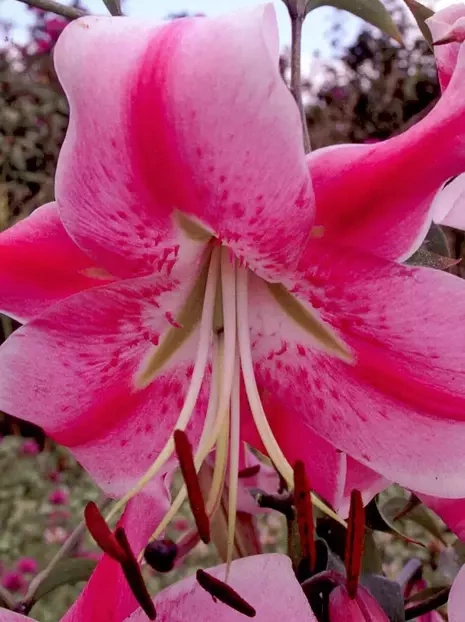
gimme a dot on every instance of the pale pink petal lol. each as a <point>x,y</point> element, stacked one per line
<point>73,372</point>
<point>193,115</point>
<point>390,212</point>
<point>40,264</point>
<point>404,326</point>
<point>364,608</point>
<point>456,604</point>
<point>266,582</point>
<point>325,465</point>
<point>446,55</point>
<point>449,204</point>
<point>452,512</point>
<point>10,616</point>
<point>107,597</point>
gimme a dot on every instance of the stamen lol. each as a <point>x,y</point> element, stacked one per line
<point>304,510</point>
<point>354,542</point>
<point>266,434</point>
<point>189,473</point>
<point>224,593</point>
<point>234,449</point>
<point>102,534</point>
<point>250,471</point>
<point>134,577</point>
<point>195,385</point>
<point>212,409</point>
<point>161,555</point>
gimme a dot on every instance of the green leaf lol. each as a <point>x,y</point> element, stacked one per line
<point>421,14</point>
<point>417,514</point>
<point>65,572</point>
<point>113,6</point>
<point>380,520</point>
<point>372,11</point>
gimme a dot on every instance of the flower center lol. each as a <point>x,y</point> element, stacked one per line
<point>219,305</point>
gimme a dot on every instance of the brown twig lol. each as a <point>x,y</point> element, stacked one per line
<point>296,72</point>
<point>55,7</point>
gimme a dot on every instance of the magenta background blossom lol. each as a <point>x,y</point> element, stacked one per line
<point>59,496</point>
<point>27,565</point>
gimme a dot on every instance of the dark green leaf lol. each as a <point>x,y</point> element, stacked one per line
<point>113,6</point>
<point>417,514</point>
<point>66,571</point>
<point>372,11</point>
<point>377,519</point>
<point>421,14</point>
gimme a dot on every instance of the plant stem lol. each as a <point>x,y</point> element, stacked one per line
<point>55,7</point>
<point>66,548</point>
<point>296,72</point>
<point>5,599</point>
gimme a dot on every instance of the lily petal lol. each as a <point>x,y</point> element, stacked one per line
<point>360,477</point>
<point>107,596</point>
<point>405,387</point>
<point>449,204</point>
<point>446,55</point>
<point>452,512</point>
<point>40,264</point>
<point>324,464</point>
<point>11,616</point>
<point>456,603</point>
<point>390,212</point>
<point>159,135</point>
<point>266,582</point>
<point>364,608</point>
<point>86,395</point>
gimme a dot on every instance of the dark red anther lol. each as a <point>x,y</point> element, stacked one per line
<point>304,510</point>
<point>102,534</point>
<point>134,576</point>
<point>186,463</point>
<point>354,542</point>
<point>161,555</point>
<point>224,593</point>
<point>250,471</point>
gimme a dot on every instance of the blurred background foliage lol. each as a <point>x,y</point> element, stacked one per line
<point>367,92</point>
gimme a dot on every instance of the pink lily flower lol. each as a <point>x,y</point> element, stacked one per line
<point>191,287</point>
<point>266,582</point>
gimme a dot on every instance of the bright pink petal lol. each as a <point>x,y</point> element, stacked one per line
<point>324,464</point>
<point>390,212</point>
<point>404,326</point>
<point>193,116</point>
<point>364,608</point>
<point>446,55</point>
<point>266,582</point>
<point>456,604</point>
<point>72,371</point>
<point>360,477</point>
<point>40,264</point>
<point>449,204</point>
<point>107,597</point>
<point>452,512</point>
